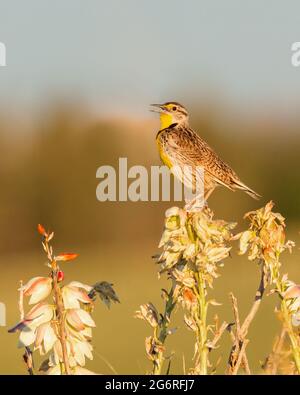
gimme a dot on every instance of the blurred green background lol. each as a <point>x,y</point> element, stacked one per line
<point>74,96</point>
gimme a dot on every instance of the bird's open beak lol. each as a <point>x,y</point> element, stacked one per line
<point>157,108</point>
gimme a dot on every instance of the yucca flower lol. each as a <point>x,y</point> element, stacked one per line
<point>265,239</point>
<point>39,288</point>
<point>80,350</point>
<point>40,314</point>
<point>292,296</point>
<point>74,293</point>
<point>79,319</point>
<point>45,337</point>
<point>148,313</point>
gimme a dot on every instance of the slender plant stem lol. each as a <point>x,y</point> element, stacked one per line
<point>60,310</point>
<point>242,330</point>
<point>257,301</point>
<point>60,316</point>
<point>240,357</point>
<point>201,317</point>
<point>163,333</point>
<point>218,335</point>
<point>202,333</point>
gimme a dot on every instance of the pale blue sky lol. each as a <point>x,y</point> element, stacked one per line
<point>124,54</point>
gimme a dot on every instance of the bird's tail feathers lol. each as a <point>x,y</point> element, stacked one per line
<point>239,185</point>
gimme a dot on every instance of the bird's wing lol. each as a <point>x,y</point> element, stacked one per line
<point>193,151</point>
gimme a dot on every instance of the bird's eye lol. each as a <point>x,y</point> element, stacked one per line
<point>174,108</point>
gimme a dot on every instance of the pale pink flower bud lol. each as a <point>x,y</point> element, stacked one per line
<point>39,288</point>
<point>40,313</point>
<point>66,257</point>
<point>80,350</point>
<point>292,292</point>
<point>78,284</point>
<point>72,295</point>
<point>45,338</point>
<point>37,316</point>
<point>79,319</point>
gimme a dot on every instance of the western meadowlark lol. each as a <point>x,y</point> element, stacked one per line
<point>180,146</point>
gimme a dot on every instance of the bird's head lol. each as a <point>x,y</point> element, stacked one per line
<point>171,112</point>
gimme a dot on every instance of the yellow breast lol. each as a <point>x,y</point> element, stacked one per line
<point>165,121</point>
<point>163,155</point>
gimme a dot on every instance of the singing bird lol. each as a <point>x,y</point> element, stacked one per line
<point>180,146</point>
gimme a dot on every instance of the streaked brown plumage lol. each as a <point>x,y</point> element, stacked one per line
<point>179,145</point>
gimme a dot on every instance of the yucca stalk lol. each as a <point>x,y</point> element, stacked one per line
<point>265,241</point>
<point>155,344</point>
<point>202,359</point>
<point>59,310</point>
<point>161,333</point>
<point>194,246</point>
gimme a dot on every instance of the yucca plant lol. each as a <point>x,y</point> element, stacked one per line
<point>194,248</point>
<point>59,325</point>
